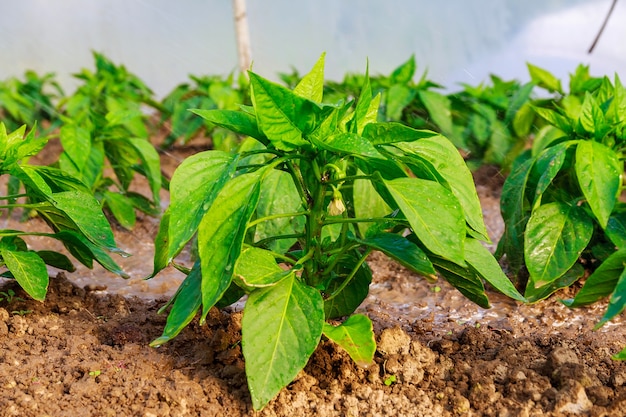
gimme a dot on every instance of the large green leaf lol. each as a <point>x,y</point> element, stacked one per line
<point>616,229</point>
<point>311,86</point>
<point>187,301</point>
<point>434,213</point>
<point>356,336</point>
<point>592,119</point>
<point>239,122</point>
<point>602,281</point>
<point>283,116</point>
<point>392,132</point>
<point>402,250</point>
<point>194,186</point>
<point>486,265</point>
<point>29,271</point>
<point>546,167</point>
<point>599,171</point>
<point>278,195</point>
<point>280,329</point>
<point>221,233</point>
<point>85,212</point>
<point>556,235</point>
<point>449,163</point>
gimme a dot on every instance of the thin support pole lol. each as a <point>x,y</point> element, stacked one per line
<point>243,35</point>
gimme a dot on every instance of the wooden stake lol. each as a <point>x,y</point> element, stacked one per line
<point>243,35</point>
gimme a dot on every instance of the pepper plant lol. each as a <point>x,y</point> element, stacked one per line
<point>63,202</point>
<point>30,101</point>
<point>290,220</point>
<point>105,126</point>
<point>561,203</point>
<point>206,92</point>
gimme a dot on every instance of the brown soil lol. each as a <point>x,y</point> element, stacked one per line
<point>84,353</point>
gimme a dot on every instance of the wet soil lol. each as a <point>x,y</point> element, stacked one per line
<point>84,352</point>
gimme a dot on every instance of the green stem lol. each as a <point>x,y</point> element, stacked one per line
<point>350,276</point>
<point>277,216</point>
<point>278,237</point>
<point>14,196</point>
<point>334,220</point>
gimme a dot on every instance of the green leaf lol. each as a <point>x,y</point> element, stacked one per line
<point>283,116</point>
<point>76,142</point>
<point>547,166</point>
<point>151,164</point>
<point>278,195</point>
<point>29,270</point>
<point>238,121</point>
<point>161,245</point>
<point>366,110</point>
<point>348,143</point>
<point>464,279</point>
<point>397,97</point>
<point>194,186</point>
<point>439,110</point>
<point>281,327</point>
<point>345,302</point>
<point>592,119</point>
<point>449,163</point>
<point>257,268</point>
<point>311,86</point>
<point>617,302</point>
<point>434,214</point>
<point>392,132</point>
<point>544,79</point>
<point>402,250</point>
<point>598,170</point>
<point>554,118</point>
<point>85,251</point>
<point>356,336</point>
<point>84,210</point>
<point>616,229</point>
<point>221,233</point>
<point>367,203</point>
<point>519,100</point>
<point>122,209</point>
<point>602,281</point>
<point>57,260</point>
<point>404,73</point>
<point>479,258</point>
<point>515,213</point>
<point>556,235</point>
<point>187,301</point>
<point>533,294</point>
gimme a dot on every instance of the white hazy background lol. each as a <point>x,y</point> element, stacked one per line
<point>163,41</point>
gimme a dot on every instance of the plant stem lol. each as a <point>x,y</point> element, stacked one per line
<point>277,216</point>
<point>351,275</point>
<point>271,238</point>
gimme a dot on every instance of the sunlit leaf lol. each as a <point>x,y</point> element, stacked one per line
<point>281,328</point>
<point>356,336</point>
